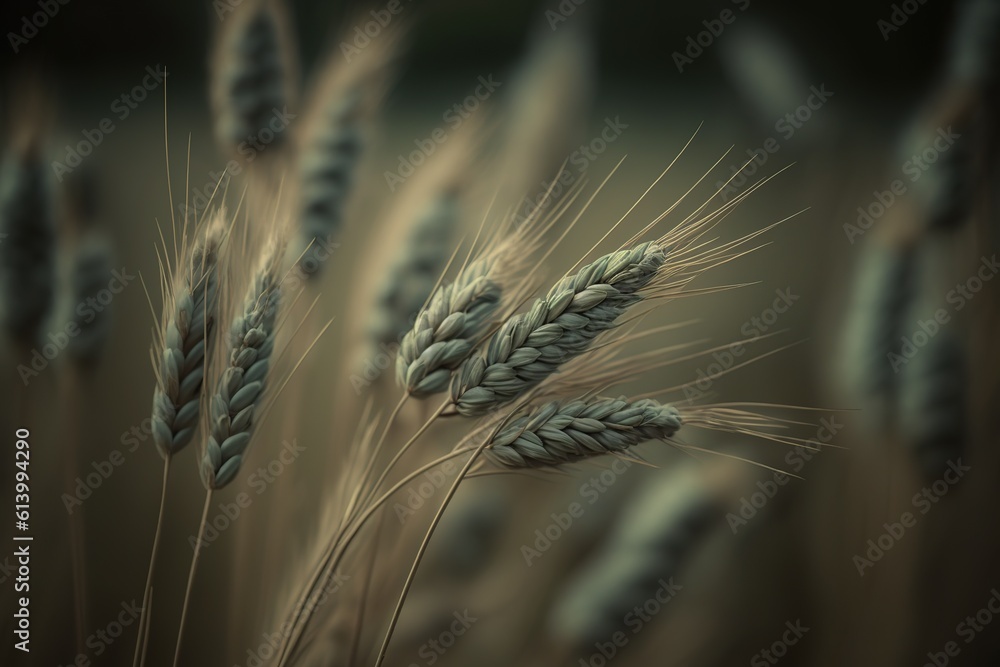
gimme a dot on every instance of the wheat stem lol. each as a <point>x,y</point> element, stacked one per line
<point>370,465</point>
<point>190,581</point>
<point>409,443</point>
<point>338,547</point>
<point>140,645</point>
<point>423,548</point>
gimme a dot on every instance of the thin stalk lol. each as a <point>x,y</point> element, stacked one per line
<point>140,643</point>
<point>423,548</point>
<point>402,450</point>
<point>190,582</point>
<point>370,465</point>
<point>335,552</point>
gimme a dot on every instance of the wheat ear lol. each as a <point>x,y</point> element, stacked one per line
<point>237,395</point>
<point>27,250</point>
<point>331,140</point>
<point>240,387</point>
<point>446,330</point>
<point>564,432</point>
<point>187,330</point>
<point>659,528</point>
<point>186,335</point>
<point>530,347</point>
<point>253,74</point>
<point>414,274</point>
<point>934,404</point>
<point>92,266</point>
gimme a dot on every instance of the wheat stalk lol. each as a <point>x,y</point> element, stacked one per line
<point>187,332</point>
<point>237,394</point>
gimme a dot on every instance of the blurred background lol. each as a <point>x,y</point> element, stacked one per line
<point>872,304</point>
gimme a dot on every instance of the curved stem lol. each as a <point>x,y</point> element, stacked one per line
<point>190,582</point>
<point>140,643</point>
<point>420,552</point>
<point>335,552</point>
<point>402,450</point>
<point>370,465</point>
<point>145,631</point>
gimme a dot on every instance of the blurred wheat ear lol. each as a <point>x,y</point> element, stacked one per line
<point>90,271</point>
<point>27,238</point>
<point>254,75</point>
<point>659,529</point>
<point>344,97</point>
<point>884,291</point>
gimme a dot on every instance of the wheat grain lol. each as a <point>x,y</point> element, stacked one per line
<point>187,332</point>
<point>241,383</point>
<point>558,432</point>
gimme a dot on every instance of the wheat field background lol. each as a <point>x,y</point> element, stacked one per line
<point>747,574</point>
